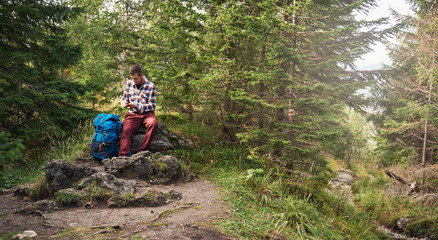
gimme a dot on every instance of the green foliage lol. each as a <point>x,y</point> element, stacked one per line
<point>41,189</point>
<point>123,200</point>
<point>69,146</point>
<point>356,141</point>
<point>96,193</point>
<point>4,235</point>
<point>67,199</point>
<point>269,205</point>
<point>97,31</point>
<point>371,196</point>
<point>129,197</point>
<point>160,167</point>
<point>253,172</point>
<point>406,95</point>
<point>9,150</point>
<point>35,96</point>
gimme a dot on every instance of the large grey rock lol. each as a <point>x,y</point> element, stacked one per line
<point>109,181</point>
<point>164,140</point>
<point>345,178</point>
<point>62,174</point>
<point>168,168</point>
<point>137,166</point>
<point>156,167</point>
<point>152,198</point>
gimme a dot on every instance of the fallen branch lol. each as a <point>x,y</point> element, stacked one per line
<point>158,216</point>
<point>394,176</point>
<point>413,186</point>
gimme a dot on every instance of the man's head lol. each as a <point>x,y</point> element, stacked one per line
<point>136,74</point>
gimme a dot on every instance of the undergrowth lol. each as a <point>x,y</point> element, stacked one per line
<point>371,195</point>
<point>67,199</point>
<point>67,147</point>
<point>268,203</point>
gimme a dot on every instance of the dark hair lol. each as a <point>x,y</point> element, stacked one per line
<point>135,69</point>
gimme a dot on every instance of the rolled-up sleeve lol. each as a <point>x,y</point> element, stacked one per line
<point>125,96</point>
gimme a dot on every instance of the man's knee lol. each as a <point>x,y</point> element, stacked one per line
<point>151,123</point>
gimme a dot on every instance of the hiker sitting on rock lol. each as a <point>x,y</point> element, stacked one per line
<point>139,96</point>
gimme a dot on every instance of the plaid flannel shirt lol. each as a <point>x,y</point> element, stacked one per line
<point>145,96</point>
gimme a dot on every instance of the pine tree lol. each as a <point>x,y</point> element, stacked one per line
<point>169,44</point>
<point>264,64</point>
<point>9,150</point>
<point>35,101</point>
<point>97,30</point>
<point>407,101</point>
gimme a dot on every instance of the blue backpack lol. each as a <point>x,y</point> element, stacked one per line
<point>105,143</point>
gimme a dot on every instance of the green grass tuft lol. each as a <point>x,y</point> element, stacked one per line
<point>41,189</point>
<point>67,199</point>
<point>386,209</point>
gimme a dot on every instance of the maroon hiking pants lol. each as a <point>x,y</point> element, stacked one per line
<point>131,124</point>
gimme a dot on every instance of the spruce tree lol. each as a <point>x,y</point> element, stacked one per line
<point>97,30</point>
<point>406,97</point>
<point>269,57</point>
<point>35,100</point>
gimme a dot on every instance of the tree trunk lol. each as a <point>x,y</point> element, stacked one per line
<point>262,89</point>
<point>429,100</point>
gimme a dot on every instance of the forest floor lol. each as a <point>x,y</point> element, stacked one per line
<point>188,218</point>
<point>394,189</point>
<point>194,216</point>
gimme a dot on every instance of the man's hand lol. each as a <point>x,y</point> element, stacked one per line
<point>125,104</point>
<point>132,105</point>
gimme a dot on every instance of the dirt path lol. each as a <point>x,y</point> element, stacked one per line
<point>187,218</point>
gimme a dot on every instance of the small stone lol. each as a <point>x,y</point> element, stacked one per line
<point>88,205</point>
<point>29,234</point>
<point>175,195</point>
<point>112,204</point>
<point>402,223</point>
<point>18,236</point>
<point>45,205</point>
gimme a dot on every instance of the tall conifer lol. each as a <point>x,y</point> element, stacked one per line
<point>407,97</point>
<point>34,100</point>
